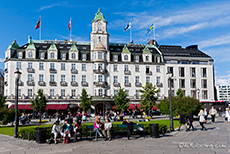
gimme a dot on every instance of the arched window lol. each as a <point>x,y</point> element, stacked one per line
<point>147,58</point>
<point>52,55</point>
<point>73,56</point>
<point>30,55</point>
<point>126,57</point>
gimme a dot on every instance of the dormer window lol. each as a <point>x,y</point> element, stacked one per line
<point>147,58</point>
<point>126,57</point>
<point>73,56</point>
<point>136,58</point>
<point>63,56</point>
<point>52,55</point>
<point>83,56</point>
<point>115,57</point>
<point>99,55</point>
<point>30,54</point>
<point>20,55</point>
<point>42,55</point>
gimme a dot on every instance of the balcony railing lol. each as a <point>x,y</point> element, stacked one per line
<point>116,84</point>
<point>52,83</point>
<point>84,84</point>
<point>127,84</point>
<point>73,71</point>
<point>100,83</point>
<point>74,83</point>
<point>30,70</point>
<point>6,70</point>
<point>63,83</point>
<point>30,83</point>
<point>159,84</point>
<point>138,84</point>
<point>52,70</point>
<point>41,83</point>
<point>148,72</point>
<point>103,71</point>
<point>127,72</point>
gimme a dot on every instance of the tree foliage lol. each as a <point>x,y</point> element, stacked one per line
<point>180,93</point>
<point>183,104</point>
<point>2,101</point>
<point>7,115</point>
<point>39,102</point>
<point>85,101</point>
<point>121,100</point>
<point>149,96</point>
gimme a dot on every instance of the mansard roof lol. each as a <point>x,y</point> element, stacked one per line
<point>13,45</point>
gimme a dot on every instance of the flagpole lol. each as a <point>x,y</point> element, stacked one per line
<point>130,34</point>
<point>70,29</point>
<point>40,30</point>
<point>154,35</point>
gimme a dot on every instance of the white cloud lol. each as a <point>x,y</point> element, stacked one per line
<point>48,6</point>
<point>2,60</point>
<point>218,40</point>
<point>223,80</point>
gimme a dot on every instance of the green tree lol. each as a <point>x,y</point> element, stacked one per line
<point>85,101</point>
<point>183,104</point>
<point>180,93</point>
<point>149,96</point>
<point>121,100</point>
<point>7,115</point>
<point>2,101</point>
<point>39,103</point>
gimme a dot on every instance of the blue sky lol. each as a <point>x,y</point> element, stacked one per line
<point>206,23</point>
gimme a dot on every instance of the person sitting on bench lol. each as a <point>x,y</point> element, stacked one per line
<point>129,127</point>
<point>67,129</point>
<point>56,130</point>
<point>77,129</point>
<point>108,125</point>
<point>97,127</point>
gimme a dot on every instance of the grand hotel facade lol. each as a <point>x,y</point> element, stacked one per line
<point>63,68</point>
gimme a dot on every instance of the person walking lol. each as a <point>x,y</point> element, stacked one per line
<point>201,119</point>
<point>213,113</point>
<point>129,127</point>
<point>190,121</point>
<point>182,121</point>
<point>227,115</point>
<point>205,115</point>
<point>220,111</point>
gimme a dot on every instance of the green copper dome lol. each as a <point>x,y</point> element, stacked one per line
<point>125,50</point>
<point>99,15</point>
<point>52,47</point>
<point>13,45</point>
<point>146,50</point>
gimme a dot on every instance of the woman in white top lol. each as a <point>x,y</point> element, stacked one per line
<point>227,112</point>
<point>202,119</point>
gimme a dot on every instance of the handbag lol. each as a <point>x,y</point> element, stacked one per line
<point>226,118</point>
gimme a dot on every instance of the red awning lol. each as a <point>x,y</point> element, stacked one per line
<point>23,107</point>
<point>131,106</point>
<point>48,107</point>
<point>56,107</point>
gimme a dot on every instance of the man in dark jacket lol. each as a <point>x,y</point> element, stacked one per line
<point>182,120</point>
<point>129,127</point>
<point>190,121</point>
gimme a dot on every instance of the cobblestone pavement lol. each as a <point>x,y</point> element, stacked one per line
<point>213,141</point>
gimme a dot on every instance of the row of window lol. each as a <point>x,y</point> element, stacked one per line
<point>99,92</point>
<point>192,71</point>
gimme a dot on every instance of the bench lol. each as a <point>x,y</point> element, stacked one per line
<point>89,130</point>
<point>121,128</point>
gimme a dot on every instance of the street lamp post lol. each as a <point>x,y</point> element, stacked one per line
<point>198,92</point>
<point>170,89</point>
<point>103,107</point>
<point>17,77</point>
<point>39,97</point>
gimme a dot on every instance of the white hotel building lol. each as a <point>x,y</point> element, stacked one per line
<point>63,68</point>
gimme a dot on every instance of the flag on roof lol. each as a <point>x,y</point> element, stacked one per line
<point>127,27</point>
<point>150,28</point>
<point>69,26</point>
<point>38,23</point>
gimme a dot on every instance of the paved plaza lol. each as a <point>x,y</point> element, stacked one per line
<point>213,141</point>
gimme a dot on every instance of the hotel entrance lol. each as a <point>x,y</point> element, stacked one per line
<point>99,109</point>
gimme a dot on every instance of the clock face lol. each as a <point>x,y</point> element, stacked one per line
<point>99,23</point>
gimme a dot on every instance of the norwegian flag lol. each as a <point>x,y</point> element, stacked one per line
<point>38,23</point>
<point>69,26</point>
